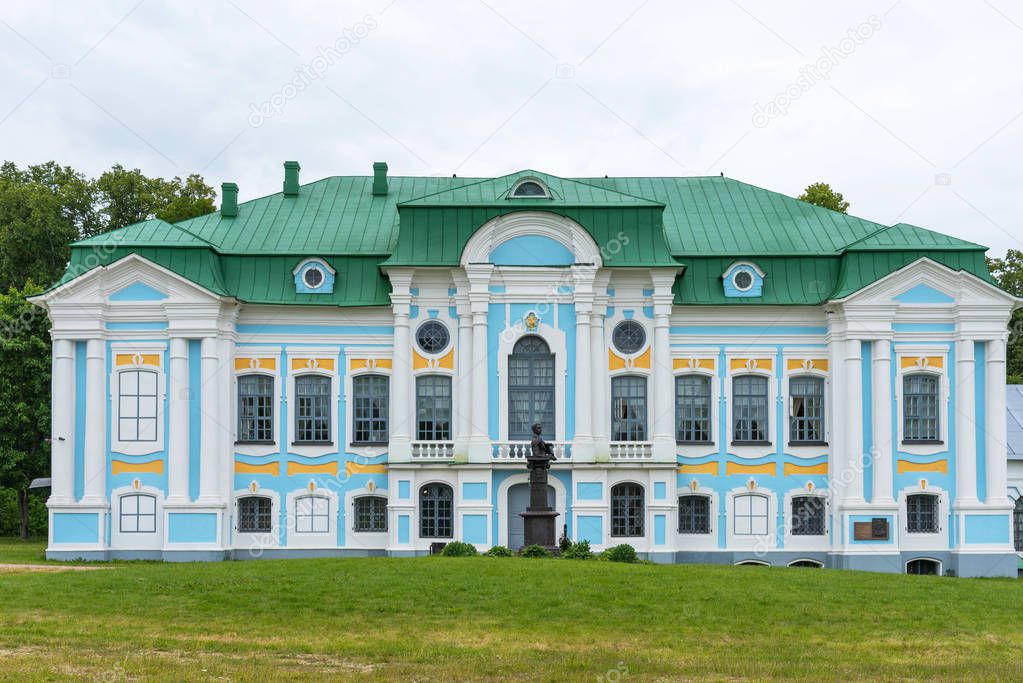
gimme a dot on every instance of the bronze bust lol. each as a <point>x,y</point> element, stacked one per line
<point>540,449</point>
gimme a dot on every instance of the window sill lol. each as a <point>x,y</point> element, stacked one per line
<point>694,533</point>
<point>693,443</point>
<point>364,444</point>
<point>312,443</point>
<point>796,444</point>
<point>923,442</point>
<point>751,443</point>
<point>369,531</point>
<point>255,443</point>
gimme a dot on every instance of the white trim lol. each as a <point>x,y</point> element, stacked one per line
<point>136,540</point>
<point>256,543</point>
<point>117,446</point>
<point>367,539</point>
<point>922,541</point>
<point>318,261</point>
<point>708,541</point>
<point>313,539</point>
<point>820,542</point>
<point>252,353</point>
<point>529,179</point>
<point>751,542</point>
<point>541,223</point>
<point>556,340</point>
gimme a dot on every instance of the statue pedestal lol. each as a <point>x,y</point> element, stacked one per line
<point>540,528</point>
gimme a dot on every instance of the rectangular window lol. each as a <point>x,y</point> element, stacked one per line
<point>694,515</point>
<point>255,409</point>
<point>137,407</point>
<point>920,409</point>
<point>807,516</point>
<point>749,409</point>
<point>312,409</point>
<point>312,515</point>
<point>806,410</point>
<point>138,514</point>
<point>750,515</point>
<point>371,407</point>
<point>628,409</point>
<point>433,408</point>
<point>692,409</point>
<point>254,515</point>
<point>371,513</point>
<point>922,514</point>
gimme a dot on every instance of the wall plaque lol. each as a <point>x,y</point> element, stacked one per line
<point>874,530</point>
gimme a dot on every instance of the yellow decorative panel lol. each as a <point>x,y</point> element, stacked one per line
<point>922,362</point>
<point>741,364</point>
<point>736,468</point>
<point>381,363</point>
<point>358,468</point>
<point>369,363</point>
<point>123,467</point>
<point>300,468</point>
<point>796,364</point>
<point>790,468</point>
<point>312,364</point>
<point>642,360</point>
<point>705,468</point>
<point>255,363</point>
<point>126,359</point>
<point>447,361</point>
<point>419,361</point>
<point>614,361</point>
<point>692,364</point>
<point>358,364</point>
<point>271,468</point>
<point>936,466</point>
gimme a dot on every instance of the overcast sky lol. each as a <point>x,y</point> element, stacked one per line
<point>912,109</point>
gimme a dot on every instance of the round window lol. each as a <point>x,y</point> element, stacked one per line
<point>313,277</point>
<point>629,337</point>
<point>743,280</point>
<point>432,336</point>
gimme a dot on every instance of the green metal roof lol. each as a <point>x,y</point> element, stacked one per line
<point>810,254</point>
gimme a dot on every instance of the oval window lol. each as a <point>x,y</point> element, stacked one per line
<point>313,277</point>
<point>743,280</point>
<point>432,336</point>
<point>629,337</point>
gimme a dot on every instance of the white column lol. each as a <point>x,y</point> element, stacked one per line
<point>209,467</point>
<point>853,411</point>
<point>62,432</point>
<point>95,423</point>
<point>463,383</point>
<point>966,427</point>
<point>582,445</point>
<point>226,424</point>
<point>479,439</point>
<point>177,438</point>
<point>881,381</point>
<point>400,439</point>
<point>663,403</point>
<point>995,423</point>
<point>598,386</point>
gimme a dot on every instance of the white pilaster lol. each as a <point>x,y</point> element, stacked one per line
<point>881,382</point>
<point>598,385</point>
<point>62,432</point>
<point>95,423</point>
<point>479,302</point>
<point>966,427</point>
<point>995,422</point>
<point>664,400</point>
<point>400,440</point>
<point>177,439</point>
<point>226,424</point>
<point>209,467</point>
<point>582,442</point>
<point>463,382</point>
<point>853,412</point>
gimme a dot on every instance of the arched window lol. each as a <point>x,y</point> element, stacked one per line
<point>1017,524</point>
<point>370,407</point>
<point>692,409</point>
<point>312,514</point>
<point>749,515</point>
<point>371,513</point>
<point>138,514</point>
<point>255,409</point>
<point>924,567</point>
<point>628,408</point>
<point>312,412</point>
<point>813,564</point>
<point>137,411</point>
<point>806,410</point>
<point>920,408</point>
<point>529,188</point>
<point>807,516</point>
<point>922,513</point>
<point>693,514</point>
<point>749,409</point>
<point>627,510</point>
<point>433,408</point>
<point>530,389</point>
<point>255,515</point>
<point>435,511</point>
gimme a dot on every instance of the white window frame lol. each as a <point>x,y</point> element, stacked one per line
<point>297,353</point>
<point>944,397</point>
<point>923,541</point>
<point>754,542</point>
<point>807,542</point>
<point>256,542</point>
<point>138,350</point>
<point>136,540</point>
<point>394,410</point>
<point>255,449</point>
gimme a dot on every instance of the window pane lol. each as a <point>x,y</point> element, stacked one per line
<point>371,407</point>
<point>749,408</point>
<point>628,408</point>
<point>435,511</point>
<point>433,408</point>
<point>692,409</point>
<point>627,505</point>
<point>806,409</point>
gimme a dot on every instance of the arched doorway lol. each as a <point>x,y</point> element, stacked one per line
<point>518,501</point>
<point>530,389</point>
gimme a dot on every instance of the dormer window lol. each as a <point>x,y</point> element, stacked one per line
<point>314,276</point>
<point>743,279</point>
<point>530,188</point>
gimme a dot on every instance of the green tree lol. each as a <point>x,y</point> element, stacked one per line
<point>821,194</point>
<point>1008,273</point>
<point>35,234</point>
<point>128,196</point>
<point>24,394</point>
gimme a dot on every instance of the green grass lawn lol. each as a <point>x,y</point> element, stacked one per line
<point>444,619</point>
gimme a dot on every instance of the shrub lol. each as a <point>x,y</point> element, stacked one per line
<point>578,551</point>
<point>564,543</point>
<point>620,553</point>
<point>535,551</point>
<point>499,551</point>
<point>459,549</point>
